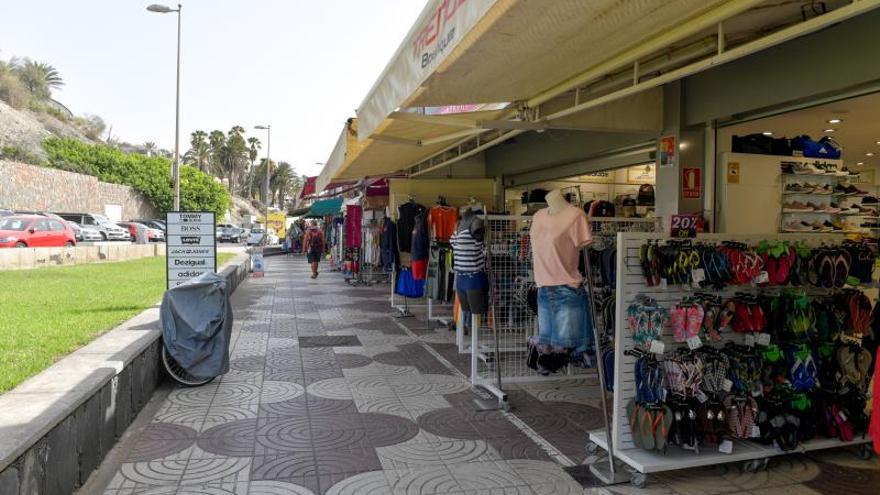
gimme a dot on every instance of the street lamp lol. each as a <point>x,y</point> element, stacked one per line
<point>268,129</point>
<point>175,168</point>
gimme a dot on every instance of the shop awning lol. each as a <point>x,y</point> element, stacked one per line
<point>325,207</point>
<point>487,51</point>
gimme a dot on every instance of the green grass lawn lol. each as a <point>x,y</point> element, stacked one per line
<point>47,313</point>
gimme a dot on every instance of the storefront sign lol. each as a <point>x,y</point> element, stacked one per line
<point>691,185</point>
<point>733,172</point>
<point>685,226</point>
<point>440,28</point>
<point>191,245</point>
<point>668,150</point>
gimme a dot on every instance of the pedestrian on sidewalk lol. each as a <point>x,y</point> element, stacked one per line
<point>313,246</point>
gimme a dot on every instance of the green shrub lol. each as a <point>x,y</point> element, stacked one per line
<point>148,175</point>
<point>18,154</point>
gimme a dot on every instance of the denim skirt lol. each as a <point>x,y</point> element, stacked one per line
<point>563,319</point>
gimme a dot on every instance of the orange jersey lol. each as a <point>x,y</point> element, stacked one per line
<point>441,222</point>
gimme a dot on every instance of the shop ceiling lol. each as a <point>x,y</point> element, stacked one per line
<point>858,131</point>
<point>557,63</point>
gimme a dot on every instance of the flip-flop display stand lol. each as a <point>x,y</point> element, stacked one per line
<point>632,287</point>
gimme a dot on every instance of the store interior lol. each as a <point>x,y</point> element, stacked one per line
<point>757,196</point>
<point>620,186</point>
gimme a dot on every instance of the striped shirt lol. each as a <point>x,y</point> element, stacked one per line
<point>468,254</point>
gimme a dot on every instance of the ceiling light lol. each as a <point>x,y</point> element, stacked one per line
<point>767,133</point>
<point>830,130</point>
<point>835,121</point>
<point>860,163</point>
<point>878,142</point>
<point>869,154</point>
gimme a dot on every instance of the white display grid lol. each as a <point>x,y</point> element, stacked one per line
<point>630,284</point>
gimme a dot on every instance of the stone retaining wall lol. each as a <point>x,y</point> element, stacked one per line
<point>28,187</point>
<point>56,427</point>
<point>25,258</point>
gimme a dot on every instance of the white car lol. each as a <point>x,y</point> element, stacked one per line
<point>255,237</point>
<point>85,234</point>
<point>156,235</point>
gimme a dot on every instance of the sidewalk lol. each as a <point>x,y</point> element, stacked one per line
<point>328,394</point>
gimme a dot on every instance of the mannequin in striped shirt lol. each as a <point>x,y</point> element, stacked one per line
<point>469,263</point>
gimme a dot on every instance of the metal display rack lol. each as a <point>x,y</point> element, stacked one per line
<point>630,283</point>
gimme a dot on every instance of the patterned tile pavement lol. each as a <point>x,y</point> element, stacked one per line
<point>329,395</point>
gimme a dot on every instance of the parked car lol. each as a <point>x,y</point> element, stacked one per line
<point>109,230</point>
<point>35,231</point>
<point>255,237</point>
<point>149,234</point>
<point>6,213</point>
<point>153,224</point>
<point>233,234</point>
<point>85,234</point>
<point>221,227</point>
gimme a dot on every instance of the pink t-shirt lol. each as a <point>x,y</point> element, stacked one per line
<point>556,244</point>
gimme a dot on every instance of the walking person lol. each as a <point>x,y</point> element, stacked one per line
<point>313,246</point>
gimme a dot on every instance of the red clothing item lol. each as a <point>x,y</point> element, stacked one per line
<point>419,269</point>
<point>441,222</point>
<point>353,218</point>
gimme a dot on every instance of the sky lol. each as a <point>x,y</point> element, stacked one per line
<point>302,66</point>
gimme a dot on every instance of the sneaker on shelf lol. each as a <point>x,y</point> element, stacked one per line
<point>824,189</point>
<point>830,225</point>
<point>787,167</point>
<point>796,227</point>
<point>870,200</point>
<point>816,206</point>
<point>806,169</point>
<point>849,172</point>
<point>859,192</point>
<point>820,227</point>
<point>838,225</point>
<point>831,208</point>
<point>840,189</point>
<point>794,207</point>
<point>799,188</point>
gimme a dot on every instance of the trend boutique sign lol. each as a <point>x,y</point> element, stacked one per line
<point>191,245</point>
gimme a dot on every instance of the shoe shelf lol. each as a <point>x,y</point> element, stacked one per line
<point>789,217</point>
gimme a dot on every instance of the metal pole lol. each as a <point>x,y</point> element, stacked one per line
<point>268,165</point>
<point>176,168</point>
<point>599,365</point>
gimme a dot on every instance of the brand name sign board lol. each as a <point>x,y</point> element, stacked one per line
<point>191,245</point>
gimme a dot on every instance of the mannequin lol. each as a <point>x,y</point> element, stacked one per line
<point>468,256</point>
<point>558,233</point>
<point>555,201</point>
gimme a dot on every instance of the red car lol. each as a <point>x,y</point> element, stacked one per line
<point>35,231</point>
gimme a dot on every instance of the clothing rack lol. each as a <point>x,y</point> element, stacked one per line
<point>630,284</point>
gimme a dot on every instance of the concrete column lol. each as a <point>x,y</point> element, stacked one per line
<point>693,146</point>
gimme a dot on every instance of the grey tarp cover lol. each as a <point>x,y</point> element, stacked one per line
<point>197,324</point>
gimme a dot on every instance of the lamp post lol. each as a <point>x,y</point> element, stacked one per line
<point>268,129</point>
<point>175,168</point>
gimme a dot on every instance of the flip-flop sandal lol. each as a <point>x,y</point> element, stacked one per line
<point>661,433</point>
<point>843,425</point>
<point>646,427</point>
<point>842,262</point>
<point>633,413</point>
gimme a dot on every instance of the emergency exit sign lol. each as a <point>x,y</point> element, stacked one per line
<point>191,245</point>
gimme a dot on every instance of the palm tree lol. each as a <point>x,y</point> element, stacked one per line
<point>199,153</point>
<point>282,183</point>
<point>235,154</point>
<point>150,147</point>
<point>217,144</point>
<point>254,146</point>
<point>39,78</point>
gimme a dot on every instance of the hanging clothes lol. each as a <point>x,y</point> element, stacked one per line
<point>441,222</point>
<point>420,247</point>
<point>406,221</point>
<point>353,218</point>
<point>390,256</point>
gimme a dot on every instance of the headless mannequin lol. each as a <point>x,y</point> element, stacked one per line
<point>555,202</point>
<point>469,220</point>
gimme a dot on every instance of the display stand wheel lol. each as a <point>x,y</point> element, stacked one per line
<point>754,465</point>
<point>866,452</point>
<point>177,373</point>
<point>638,480</point>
